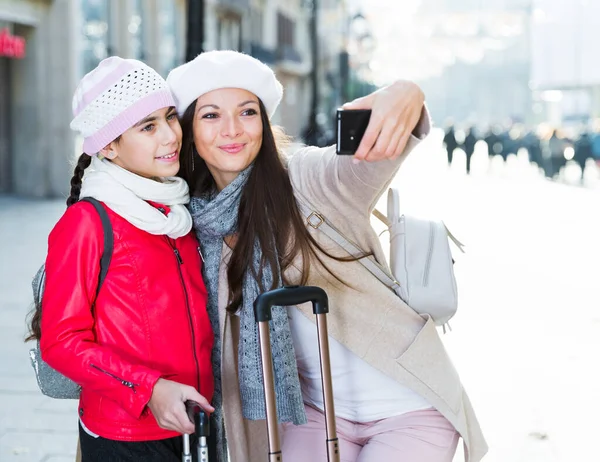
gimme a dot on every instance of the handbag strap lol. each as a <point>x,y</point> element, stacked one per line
<point>317,221</point>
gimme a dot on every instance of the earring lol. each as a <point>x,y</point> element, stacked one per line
<point>194,154</point>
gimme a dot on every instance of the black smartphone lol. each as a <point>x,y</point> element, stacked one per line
<point>351,127</point>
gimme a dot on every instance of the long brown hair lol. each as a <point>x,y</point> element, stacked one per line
<point>268,212</point>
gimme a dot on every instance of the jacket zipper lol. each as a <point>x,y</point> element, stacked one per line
<point>429,254</point>
<point>187,305</point>
<point>123,382</point>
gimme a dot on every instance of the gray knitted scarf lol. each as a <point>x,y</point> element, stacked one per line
<point>215,216</point>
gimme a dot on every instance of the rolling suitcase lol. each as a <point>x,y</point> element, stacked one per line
<point>290,296</point>
<point>200,420</point>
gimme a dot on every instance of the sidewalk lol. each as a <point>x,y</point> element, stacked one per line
<point>33,428</point>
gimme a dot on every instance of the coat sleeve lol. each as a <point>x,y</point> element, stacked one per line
<point>68,343</point>
<point>322,176</point>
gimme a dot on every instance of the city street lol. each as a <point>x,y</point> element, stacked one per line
<point>525,341</point>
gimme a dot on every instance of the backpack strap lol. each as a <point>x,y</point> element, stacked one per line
<point>382,217</point>
<point>393,209</point>
<point>108,238</point>
<point>393,206</point>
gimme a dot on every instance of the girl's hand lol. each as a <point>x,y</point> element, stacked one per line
<point>168,405</point>
<point>395,112</point>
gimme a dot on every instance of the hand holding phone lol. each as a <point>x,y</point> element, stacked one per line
<point>397,110</point>
<point>351,126</point>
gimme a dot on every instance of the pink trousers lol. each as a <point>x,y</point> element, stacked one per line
<point>420,436</point>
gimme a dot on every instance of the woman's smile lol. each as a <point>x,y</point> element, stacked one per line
<point>232,148</point>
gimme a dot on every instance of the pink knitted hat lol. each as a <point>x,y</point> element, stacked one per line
<point>113,98</point>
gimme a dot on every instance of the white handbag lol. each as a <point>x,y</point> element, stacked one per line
<point>421,263</point>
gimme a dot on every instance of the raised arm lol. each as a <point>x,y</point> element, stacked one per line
<point>322,177</point>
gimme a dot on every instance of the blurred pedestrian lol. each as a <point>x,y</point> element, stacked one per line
<point>532,143</point>
<point>254,236</point>
<point>490,139</point>
<point>583,150</point>
<point>142,346</point>
<point>517,136</point>
<point>469,146</point>
<point>450,142</point>
<point>556,150</point>
<point>506,144</point>
<point>595,137</point>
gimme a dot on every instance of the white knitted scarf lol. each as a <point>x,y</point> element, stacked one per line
<point>126,194</point>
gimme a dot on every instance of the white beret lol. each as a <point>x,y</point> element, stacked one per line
<point>213,70</point>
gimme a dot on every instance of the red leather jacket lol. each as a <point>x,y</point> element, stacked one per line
<point>149,320</point>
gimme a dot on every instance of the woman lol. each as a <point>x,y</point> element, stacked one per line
<point>141,347</point>
<point>397,395</point>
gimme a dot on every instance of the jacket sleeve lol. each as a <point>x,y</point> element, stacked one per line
<point>322,176</point>
<point>68,343</point>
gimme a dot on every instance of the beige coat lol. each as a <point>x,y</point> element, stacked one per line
<point>387,334</point>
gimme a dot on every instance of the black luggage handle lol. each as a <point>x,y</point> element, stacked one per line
<point>202,429</point>
<point>290,296</point>
<point>200,419</point>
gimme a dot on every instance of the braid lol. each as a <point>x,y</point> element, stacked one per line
<point>35,316</point>
<point>83,162</point>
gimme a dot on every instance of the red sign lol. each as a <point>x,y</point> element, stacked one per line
<point>11,46</point>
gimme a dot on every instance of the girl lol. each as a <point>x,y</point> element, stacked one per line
<point>397,396</point>
<point>141,347</point>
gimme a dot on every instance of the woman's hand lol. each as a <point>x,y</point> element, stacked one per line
<point>168,405</point>
<point>395,112</point>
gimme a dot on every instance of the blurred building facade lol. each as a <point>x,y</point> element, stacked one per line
<point>278,33</point>
<point>507,61</point>
<point>35,93</point>
<point>274,31</point>
<point>484,52</point>
<point>565,71</point>
<point>64,39</point>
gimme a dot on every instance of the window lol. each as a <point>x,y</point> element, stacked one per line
<point>95,14</point>
<point>168,45</point>
<point>285,30</point>
<point>230,37</point>
<point>136,30</point>
<point>256,25</point>
<point>256,46</point>
<point>286,33</point>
